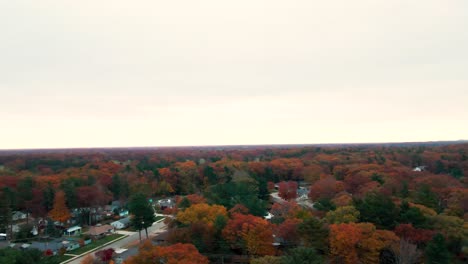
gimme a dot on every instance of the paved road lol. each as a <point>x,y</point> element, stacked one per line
<point>132,240</point>
<point>305,203</point>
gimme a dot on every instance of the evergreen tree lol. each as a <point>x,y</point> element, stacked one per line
<point>233,193</point>
<point>69,187</point>
<point>404,191</point>
<point>143,213</point>
<point>116,186</point>
<point>25,187</point>
<point>412,215</point>
<point>440,167</point>
<point>49,194</point>
<point>185,203</point>
<point>427,197</point>
<point>379,209</point>
<point>314,234</point>
<point>209,172</point>
<point>436,251</point>
<point>302,255</point>
<point>5,213</point>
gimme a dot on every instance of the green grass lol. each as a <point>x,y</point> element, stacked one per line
<point>159,218</point>
<point>95,244</point>
<point>56,259</point>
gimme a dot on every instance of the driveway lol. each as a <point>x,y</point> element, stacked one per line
<point>131,241</point>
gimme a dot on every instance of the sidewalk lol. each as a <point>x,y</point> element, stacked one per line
<point>127,233</point>
<point>92,250</point>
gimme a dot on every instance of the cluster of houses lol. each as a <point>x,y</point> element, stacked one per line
<point>71,236</point>
<point>100,213</point>
<point>74,237</point>
<point>70,242</point>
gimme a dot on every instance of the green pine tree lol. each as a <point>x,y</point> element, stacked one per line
<point>143,213</point>
<point>436,251</point>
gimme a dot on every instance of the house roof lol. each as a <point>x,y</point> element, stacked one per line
<point>99,230</point>
<point>166,202</point>
<point>19,213</point>
<point>161,236</point>
<point>124,221</point>
<point>73,229</point>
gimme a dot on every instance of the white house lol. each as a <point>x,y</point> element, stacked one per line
<point>73,231</point>
<point>269,216</point>
<point>17,215</point>
<point>122,223</point>
<point>70,245</point>
<point>420,168</point>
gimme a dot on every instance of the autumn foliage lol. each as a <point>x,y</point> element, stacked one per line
<point>174,254</point>
<point>201,213</point>
<point>287,190</point>
<point>59,211</point>
<point>251,233</point>
<point>368,203</point>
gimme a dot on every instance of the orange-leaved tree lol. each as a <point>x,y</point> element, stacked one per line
<point>374,242</point>
<point>352,242</point>
<point>174,254</point>
<point>202,212</point>
<point>288,190</point>
<point>343,241</point>
<point>252,233</point>
<point>59,210</point>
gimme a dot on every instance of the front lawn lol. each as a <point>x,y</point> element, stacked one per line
<point>95,244</point>
<point>56,259</point>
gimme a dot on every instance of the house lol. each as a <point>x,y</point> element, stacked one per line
<point>53,245</point>
<point>100,231</point>
<point>115,205</point>
<point>15,228</point>
<point>122,223</point>
<point>303,193</point>
<point>269,216</point>
<point>166,203</point>
<point>420,168</point>
<point>73,231</point>
<point>161,238</point>
<point>123,213</point>
<point>25,246</point>
<point>17,215</point>
<point>70,245</point>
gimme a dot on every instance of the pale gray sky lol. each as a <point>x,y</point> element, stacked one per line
<point>155,73</point>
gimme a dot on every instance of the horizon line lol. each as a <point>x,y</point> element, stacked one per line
<point>238,145</point>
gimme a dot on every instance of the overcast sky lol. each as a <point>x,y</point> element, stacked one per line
<point>116,73</point>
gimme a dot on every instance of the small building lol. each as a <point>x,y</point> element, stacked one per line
<point>122,223</point>
<point>123,213</point>
<point>70,245</point>
<point>420,168</point>
<point>3,236</point>
<point>166,203</point>
<point>25,246</point>
<point>161,238</point>
<point>15,228</point>
<point>115,205</point>
<point>73,231</point>
<point>269,216</point>
<point>100,231</point>
<point>119,255</point>
<point>17,215</point>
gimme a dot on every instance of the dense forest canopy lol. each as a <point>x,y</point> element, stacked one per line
<point>368,202</point>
